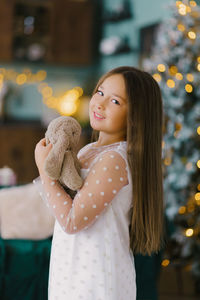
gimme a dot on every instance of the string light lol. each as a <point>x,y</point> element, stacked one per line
<point>178,3</point>
<point>170,83</point>
<point>198,59</point>
<point>198,67</point>
<point>179,76</point>
<point>198,187</point>
<point>190,208</point>
<point>157,77</point>
<point>182,9</point>
<point>197,196</point>
<point>182,210</point>
<point>167,161</point>
<point>173,70</point>
<point>181,27</point>
<point>198,164</point>
<point>189,232</point>
<point>188,88</point>
<point>193,3</point>
<point>192,35</point>
<point>161,68</point>
<point>190,77</point>
<point>165,262</point>
<point>67,104</point>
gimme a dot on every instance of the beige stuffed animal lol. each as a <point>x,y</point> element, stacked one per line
<point>62,163</point>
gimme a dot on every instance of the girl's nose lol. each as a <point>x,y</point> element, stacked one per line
<point>101,104</point>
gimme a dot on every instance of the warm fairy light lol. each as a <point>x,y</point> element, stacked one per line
<point>198,130</point>
<point>192,35</point>
<point>193,3</point>
<point>190,77</point>
<point>161,68</point>
<point>41,86</point>
<point>190,209</point>
<point>197,196</point>
<point>41,75</point>
<point>170,83</point>
<point>69,103</point>
<point>178,126</point>
<point>179,76</point>
<point>157,77</point>
<point>189,232</point>
<point>47,92</point>
<point>198,67</point>
<point>198,59</point>
<point>51,102</point>
<point>21,79</point>
<point>72,95</point>
<point>178,3</point>
<point>198,164</point>
<point>188,88</point>
<point>165,262</point>
<point>173,70</point>
<point>79,89</point>
<point>188,9</point>
<point>182,9</point>
<point>68,108</point>
<point>181,27</point>
<point>182,210</point>
<point>167,161</point>
<point>65,105</point>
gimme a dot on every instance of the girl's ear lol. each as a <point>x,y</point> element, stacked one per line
<point>54,160</point>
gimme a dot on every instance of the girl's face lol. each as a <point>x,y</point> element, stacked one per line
<point>108,108</point>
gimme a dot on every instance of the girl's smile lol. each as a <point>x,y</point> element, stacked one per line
<point>98,116</point>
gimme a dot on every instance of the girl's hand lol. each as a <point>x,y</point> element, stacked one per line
<point>41,152</point>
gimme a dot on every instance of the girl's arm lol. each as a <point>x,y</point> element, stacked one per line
<point>103,182</point>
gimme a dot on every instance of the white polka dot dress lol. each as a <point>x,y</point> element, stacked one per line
<point>90,256</point>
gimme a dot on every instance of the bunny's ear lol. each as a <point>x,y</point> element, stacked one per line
<point>70,176</point>
<point>54,160</point>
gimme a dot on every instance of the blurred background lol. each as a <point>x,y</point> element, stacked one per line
<point>52,53</point>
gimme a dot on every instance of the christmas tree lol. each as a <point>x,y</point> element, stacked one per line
<point>175,64</point>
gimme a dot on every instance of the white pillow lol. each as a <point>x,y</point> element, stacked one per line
<point>23,214</point>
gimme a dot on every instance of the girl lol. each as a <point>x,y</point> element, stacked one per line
<point>119,209</point>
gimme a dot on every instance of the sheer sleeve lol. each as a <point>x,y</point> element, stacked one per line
<point>104,180</point>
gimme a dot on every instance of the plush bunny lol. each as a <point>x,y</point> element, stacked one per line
<point>62,163</point>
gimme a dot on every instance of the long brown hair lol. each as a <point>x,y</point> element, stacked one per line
<point>144,154</point>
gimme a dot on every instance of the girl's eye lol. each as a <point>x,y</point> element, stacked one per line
<point>100,92</point>
<point>115,101</point>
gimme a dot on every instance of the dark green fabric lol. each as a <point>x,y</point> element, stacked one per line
<point>147,273</point>
<point>24,267</point>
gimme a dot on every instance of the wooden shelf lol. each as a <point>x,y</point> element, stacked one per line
<point>67,33</point>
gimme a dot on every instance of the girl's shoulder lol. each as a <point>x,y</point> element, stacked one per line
<point>84,149</point>
<point>118,146</point>
<point>90,153</point>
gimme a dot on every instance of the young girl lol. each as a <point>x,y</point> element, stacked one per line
<point>119,209</point>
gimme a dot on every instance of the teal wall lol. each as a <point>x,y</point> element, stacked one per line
<point>144,13</point>
<point>26,103</point>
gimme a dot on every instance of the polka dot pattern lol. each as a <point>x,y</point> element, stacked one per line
<point>103,180</point>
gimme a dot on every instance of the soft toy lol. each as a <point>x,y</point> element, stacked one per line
<point>62,163</point>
